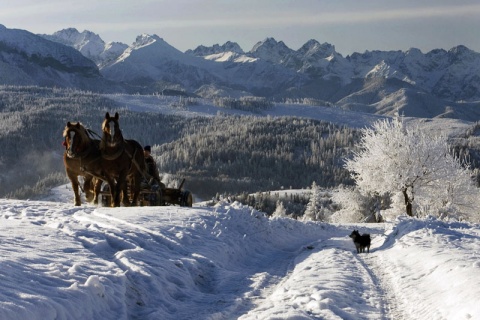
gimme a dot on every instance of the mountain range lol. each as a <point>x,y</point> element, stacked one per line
<point>438,83</point>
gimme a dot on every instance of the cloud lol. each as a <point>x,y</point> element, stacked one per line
<point>406,14</point>
<point>288,18</point>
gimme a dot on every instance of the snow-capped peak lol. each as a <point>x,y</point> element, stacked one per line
<point>145,40</point>
<point>315,48</point>
<point>74,38</point>
<point>269,43</point>
<point>155,47</point>
<point>462,54</point>
<point>203,51</point>
<point>89,44</point>
<point>232,47</point>
<point>461,49</point>
<point>270,50</point>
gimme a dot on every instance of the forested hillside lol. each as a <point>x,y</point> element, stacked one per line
<point>32,120</point>
<point>215,155</point>
<point>233,154</point>
<point>31,124</point>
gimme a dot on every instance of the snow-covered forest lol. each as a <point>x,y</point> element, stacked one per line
<point>215,154</point>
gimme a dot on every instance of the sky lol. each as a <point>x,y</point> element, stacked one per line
<point>227,261</point>
<point>349,25</point>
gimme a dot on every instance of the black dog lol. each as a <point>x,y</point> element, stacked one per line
<point>361,241</point>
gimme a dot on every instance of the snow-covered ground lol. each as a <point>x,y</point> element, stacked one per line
<point>227,262</point>
<point>205,108</point>
<point>163,104</point>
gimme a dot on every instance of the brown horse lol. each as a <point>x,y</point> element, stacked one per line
<point>124,161</point>
<point>82,157</point>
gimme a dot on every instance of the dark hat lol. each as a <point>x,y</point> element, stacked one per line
<point>147,148</point>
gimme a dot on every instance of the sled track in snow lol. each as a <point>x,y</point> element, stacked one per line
<point>391,303</point>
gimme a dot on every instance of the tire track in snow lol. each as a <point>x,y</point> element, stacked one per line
<point>374,265</point>
<point>330,264</point>
<point>379,277</point>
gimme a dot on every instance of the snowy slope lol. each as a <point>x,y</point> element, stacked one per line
<point>227,262</point>
<point>150,59</point>
<point>163,104</point>
<point>30,45</point>
<point>28,59</point>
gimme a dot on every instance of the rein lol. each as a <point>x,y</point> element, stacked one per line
<point>134,161</point>
<point>92,134</point>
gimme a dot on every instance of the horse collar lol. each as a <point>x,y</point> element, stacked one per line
<point>115,155</point>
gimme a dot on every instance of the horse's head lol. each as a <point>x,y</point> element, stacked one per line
<point>76,140</point>
<point>112,135</point>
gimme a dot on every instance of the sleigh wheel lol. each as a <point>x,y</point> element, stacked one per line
<point>186,199</point>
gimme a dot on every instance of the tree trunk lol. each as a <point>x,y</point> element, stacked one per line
<point>408,203</point>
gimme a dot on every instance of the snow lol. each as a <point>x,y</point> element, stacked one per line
<point>30,44</point>
<point>163,104</point>
<point>227,262</point>
<point>230,56</point>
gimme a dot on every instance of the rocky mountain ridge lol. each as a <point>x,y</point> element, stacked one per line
<point>89,44</point>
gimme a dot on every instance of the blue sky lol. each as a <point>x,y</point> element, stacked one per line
<point>350,25</point>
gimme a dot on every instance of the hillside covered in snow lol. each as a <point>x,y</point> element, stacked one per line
<point>227,262</point>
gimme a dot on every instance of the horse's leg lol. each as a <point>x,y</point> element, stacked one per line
<point>135,188</point>
<point>97,190</point>
<point>125,194</point>
<point>113,192</point>
<point>118,192</point>
<point>87,187</point>
<point>121,188</point>
<point>74,180</point>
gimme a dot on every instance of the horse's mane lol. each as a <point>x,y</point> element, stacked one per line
<point>104,123</point>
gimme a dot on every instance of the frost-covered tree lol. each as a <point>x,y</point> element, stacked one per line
<point>398,160</point>
<point>280,210</point>
<point>312,211</point>
<point>353,206</point>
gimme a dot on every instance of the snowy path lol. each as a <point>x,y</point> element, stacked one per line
<point>383,280</point>
<point>328,280</point>
<point>422,267</point>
